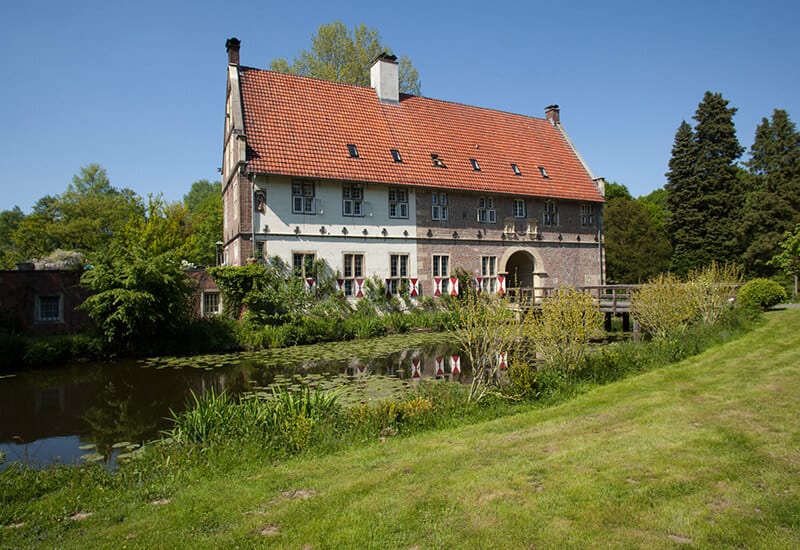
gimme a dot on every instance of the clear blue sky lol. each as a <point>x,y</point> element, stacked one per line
<point>138,87</point>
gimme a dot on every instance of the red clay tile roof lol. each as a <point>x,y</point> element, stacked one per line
<point>300,126</point>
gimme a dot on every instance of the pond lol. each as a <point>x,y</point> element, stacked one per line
<point>94,410</point>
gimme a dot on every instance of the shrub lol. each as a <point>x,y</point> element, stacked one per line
<point>523,380</point>
<point>364,326</point>
<point>484,326</point>
<point>397,322</point>
<point>561,332</point>
<point>664,306</point>
<point>761,294</point>
<point>714,289</point>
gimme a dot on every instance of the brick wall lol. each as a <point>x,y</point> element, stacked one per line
<point>20,292</point>
<point>566,253</point>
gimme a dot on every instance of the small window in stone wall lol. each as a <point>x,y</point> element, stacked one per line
<point>211,304</point>
<point>48,308</point>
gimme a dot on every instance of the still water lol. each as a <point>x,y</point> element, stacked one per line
<point>55,415</point>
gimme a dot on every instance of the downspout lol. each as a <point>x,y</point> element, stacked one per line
<point>252,178</point>
<point>600,245</point>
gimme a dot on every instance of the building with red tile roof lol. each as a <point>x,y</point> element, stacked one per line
<point>408,188</point>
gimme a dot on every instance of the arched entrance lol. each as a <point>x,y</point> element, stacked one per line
<point>519,269</point>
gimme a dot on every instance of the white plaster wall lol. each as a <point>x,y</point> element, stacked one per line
<point>287,233</point>
<point>280,220</point>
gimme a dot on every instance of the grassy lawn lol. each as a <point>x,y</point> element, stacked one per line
<point>705,453</point>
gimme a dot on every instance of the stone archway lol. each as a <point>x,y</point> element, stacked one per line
<point>519,268</point>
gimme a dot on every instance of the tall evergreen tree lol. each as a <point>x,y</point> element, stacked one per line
<point>704,190</point>
<point>772,205</point>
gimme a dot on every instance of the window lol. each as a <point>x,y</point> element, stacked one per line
<point>439,206</point>
<point>550,213</point>
<point>303,264</point>
<point>353,269</point>
<point>352,200</point>
<point>396,155</point>
<point>489,274</point>
<point>486,211</point>
<point>48,308</point>
<point>475,165</point>
<point>587,214</point>
<point>398,203</point>
<point>441,268</point>
<point>519,208</point>
<point>515,168</point>
<point>544,172</point>
<point>353,150</point>
<point>211,304</point>
<point>437,161</point>
<point>398,272</point>
<point>259,253</point>
<point>303,197</point>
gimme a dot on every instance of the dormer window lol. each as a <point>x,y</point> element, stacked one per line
<point>515,168</point>
<point>544,172</point>
<point>396,155</point>
<point>475,165</point>
<point>437,161</point>
<point>353,150</point>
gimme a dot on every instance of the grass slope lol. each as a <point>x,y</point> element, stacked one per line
<point>705,453</point>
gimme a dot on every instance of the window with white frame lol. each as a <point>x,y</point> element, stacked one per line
<point>352,200</point>
<point>303,197</point>
<point>439,206</point>
<point>550,213</point>
<point>398,272</point>
<point>353,269</point>
<point>441,268</point>
<point>519,208</point>
<point>398,203</point>
<point>486,211</point>
<point>489,274</point>
<point>211,304</point>
<point>303,264</point>
<point>48,308</point>
<point>587,214</point>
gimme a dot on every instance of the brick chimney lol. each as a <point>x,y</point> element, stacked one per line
<point>552,112</point>
<point>232,45</point>
<point>385,78</point>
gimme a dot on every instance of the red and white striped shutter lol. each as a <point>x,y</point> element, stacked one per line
<point>414,287</point>
<point>440,366</point>
<point>502,360</point>
<point>340,286</point>
<point>455,364</point>
<point>415,371</point>
<point>501,284</point>
<point>437,286</point>
<point>388,287</point>
<point>478,285</point>
<point>310,284</point>
<point>359,288</point>
<point>453,286</point>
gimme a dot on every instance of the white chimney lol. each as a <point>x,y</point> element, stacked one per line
<point>384,77</point>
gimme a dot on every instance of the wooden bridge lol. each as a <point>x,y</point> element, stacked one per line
<point>613,300</point>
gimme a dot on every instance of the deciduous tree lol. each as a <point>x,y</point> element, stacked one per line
<point>343,55</point>
<point>636,249</point>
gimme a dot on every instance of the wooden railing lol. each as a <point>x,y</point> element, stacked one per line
<point>610,298</point>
